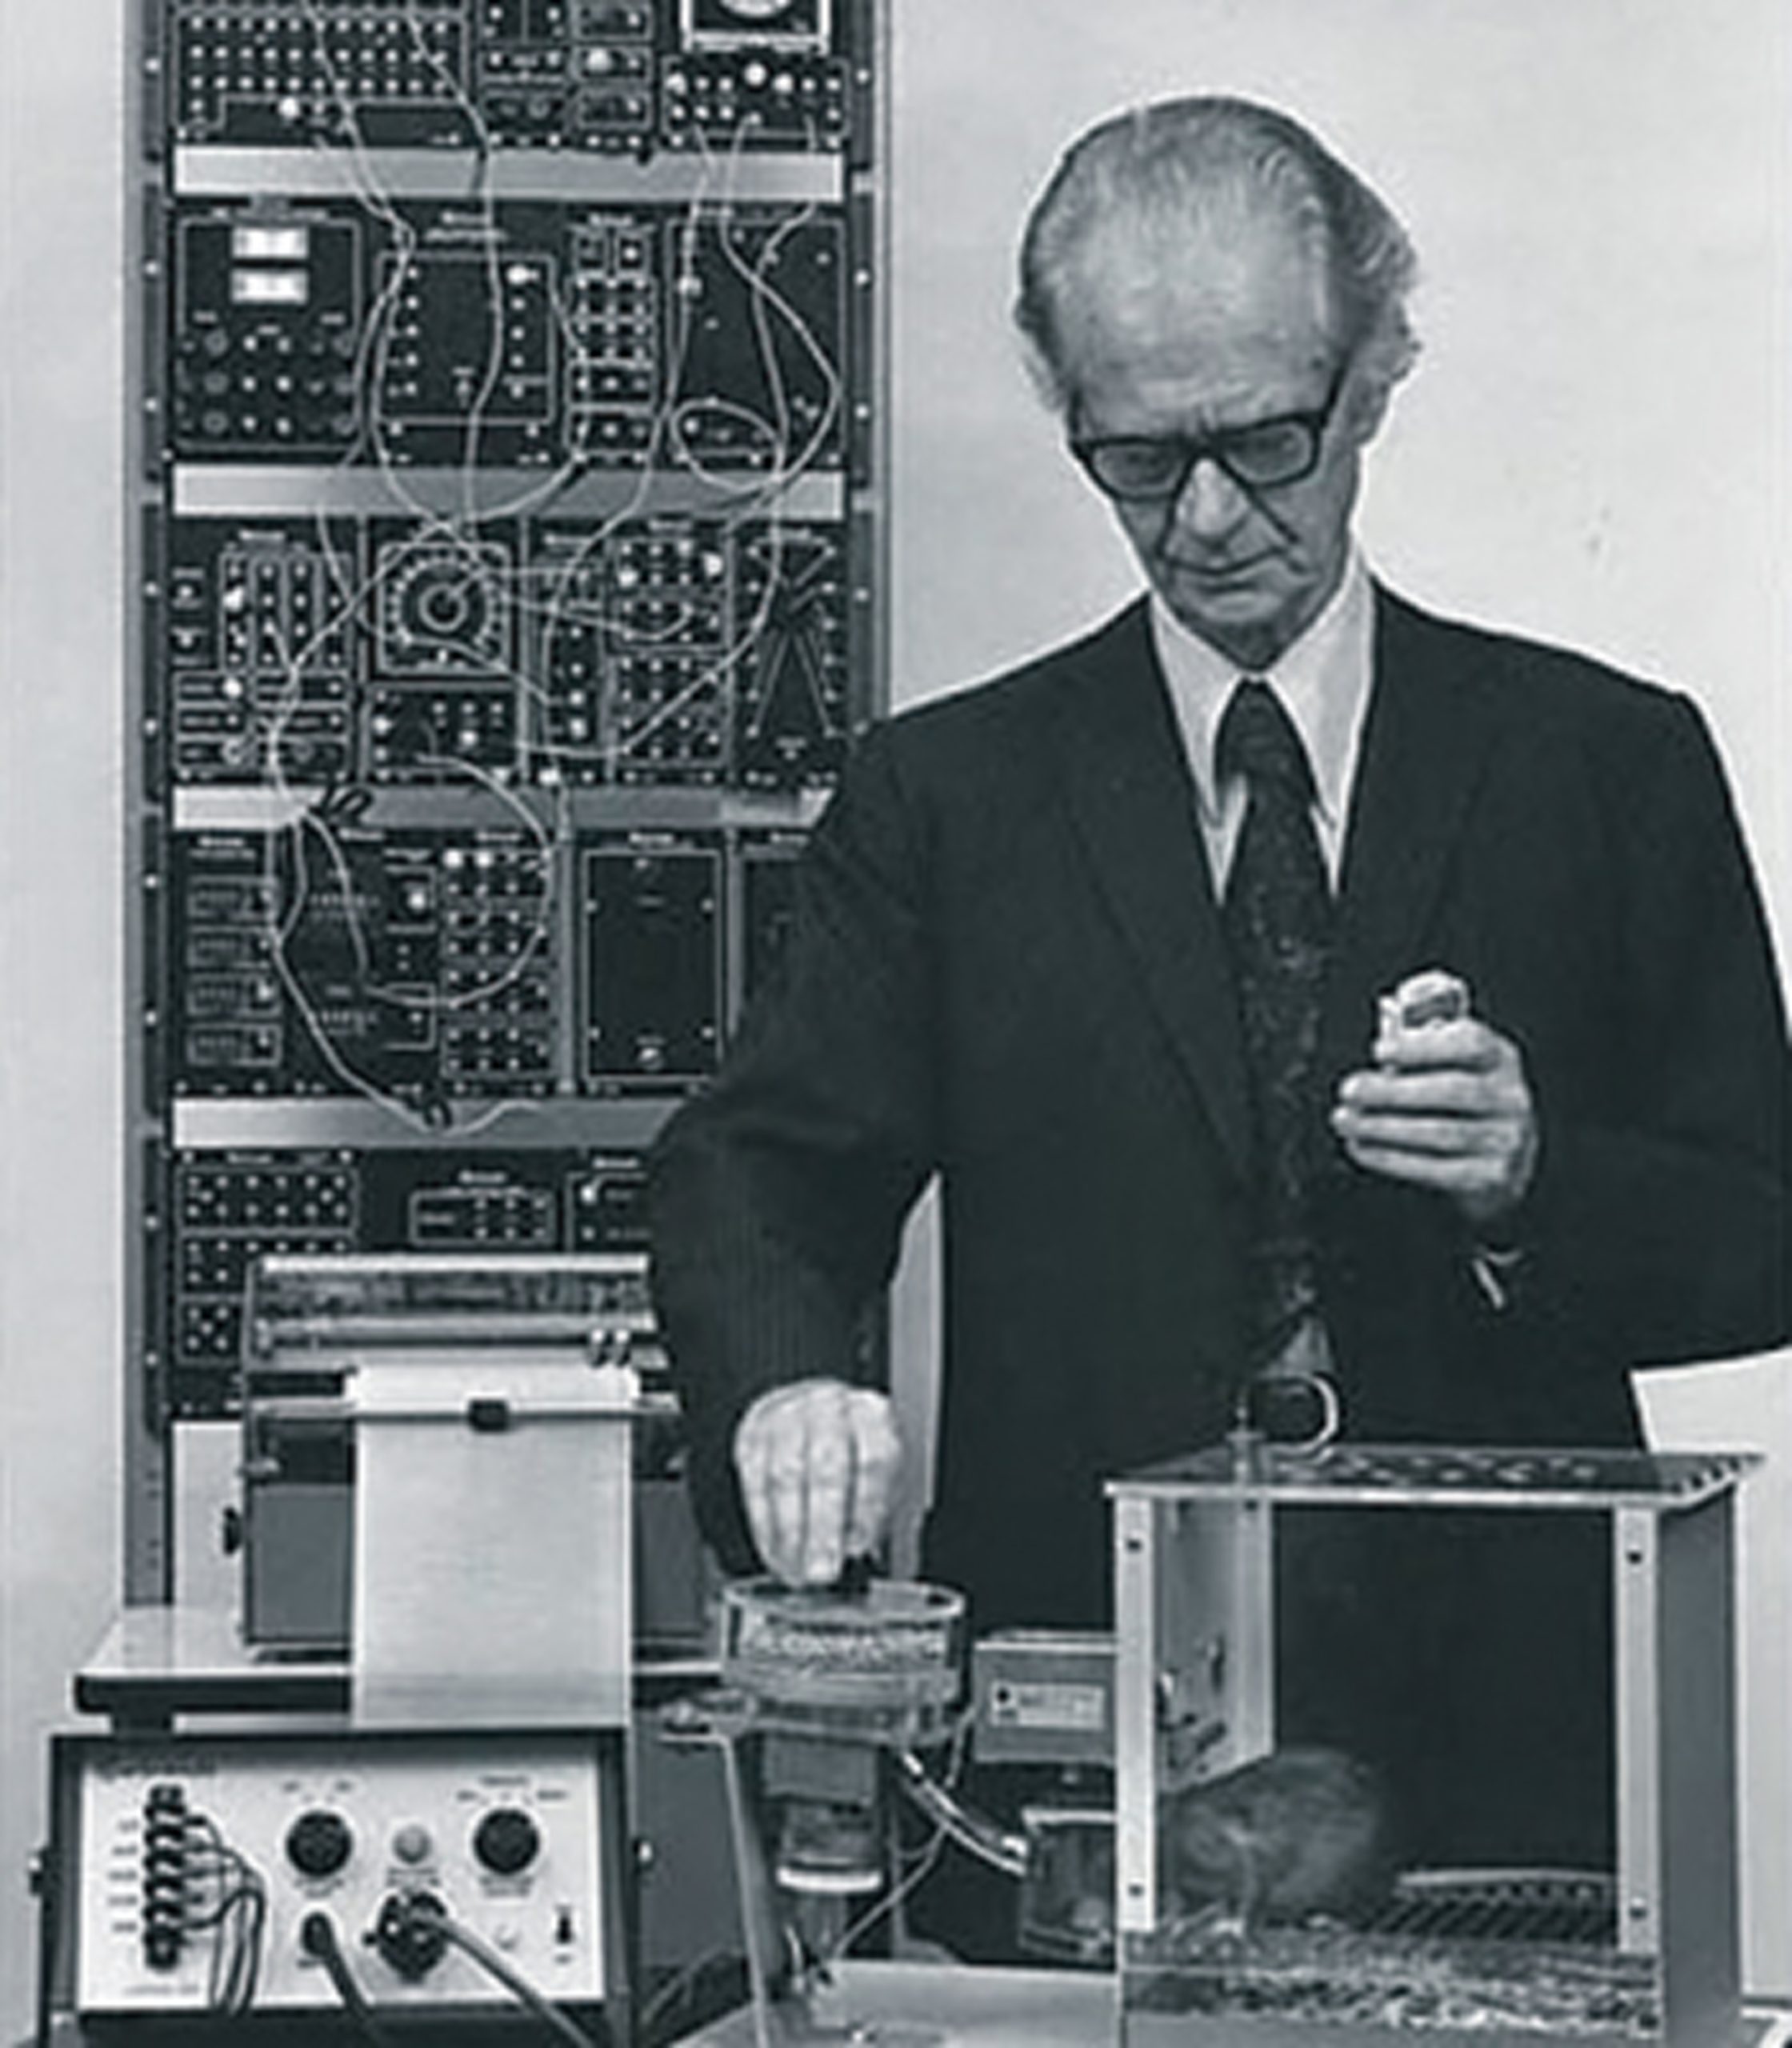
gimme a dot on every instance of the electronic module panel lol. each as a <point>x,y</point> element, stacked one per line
<point>323,652</point>
<point>393,1037</point>
<point>508,590</point>
<point>634,76</point>
<point>222,1209</point>
<point>208,1875</point>
<point>413,969</point>
<point>701,335</point>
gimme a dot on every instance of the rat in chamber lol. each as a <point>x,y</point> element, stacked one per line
<point>1299,1834</point>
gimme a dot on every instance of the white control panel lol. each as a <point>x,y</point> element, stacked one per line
<point>205,1863</point>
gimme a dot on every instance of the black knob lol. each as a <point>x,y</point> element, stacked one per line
<point>506,1841</point>
<point>318,1843</point>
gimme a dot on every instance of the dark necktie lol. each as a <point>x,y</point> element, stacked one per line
<point>1278,917</point>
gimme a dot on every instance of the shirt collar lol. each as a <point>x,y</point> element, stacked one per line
<point>1322,680</point>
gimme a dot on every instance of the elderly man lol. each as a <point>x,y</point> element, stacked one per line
<point>1115,945</point>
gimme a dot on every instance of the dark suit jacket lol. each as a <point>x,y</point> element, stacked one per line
<point>1008,968</point>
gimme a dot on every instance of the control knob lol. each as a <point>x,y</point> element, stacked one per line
<point>319,1842</point>
<point>506,1841</point>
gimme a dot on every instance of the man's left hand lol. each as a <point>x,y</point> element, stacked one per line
<point>1446,1106</point>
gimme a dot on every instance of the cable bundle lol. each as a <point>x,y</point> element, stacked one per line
<point>223,1894</point>
<point>318,1934</point>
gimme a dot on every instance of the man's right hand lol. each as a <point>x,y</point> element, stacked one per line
<point>818,1462</point>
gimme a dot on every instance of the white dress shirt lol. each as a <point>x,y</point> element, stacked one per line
<point>1322,682</point>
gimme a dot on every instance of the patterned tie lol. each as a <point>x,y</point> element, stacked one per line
<point>1278,917</point>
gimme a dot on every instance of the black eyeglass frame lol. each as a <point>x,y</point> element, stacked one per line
<point>1218,447</point>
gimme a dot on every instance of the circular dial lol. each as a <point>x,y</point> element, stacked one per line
<point>754,10</point>
<point>506,1841</point>
<point>319,1842</point>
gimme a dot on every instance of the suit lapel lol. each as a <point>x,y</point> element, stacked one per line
<point>1426,744</point>
<point>1119,760</point>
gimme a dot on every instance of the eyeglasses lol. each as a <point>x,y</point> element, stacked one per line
<point>1259,456</point>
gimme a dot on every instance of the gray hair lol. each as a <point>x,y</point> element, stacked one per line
<point>1190,158</point>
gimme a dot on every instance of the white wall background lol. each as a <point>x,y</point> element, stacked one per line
<point>61,745</point>
<point>1595,449</point>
